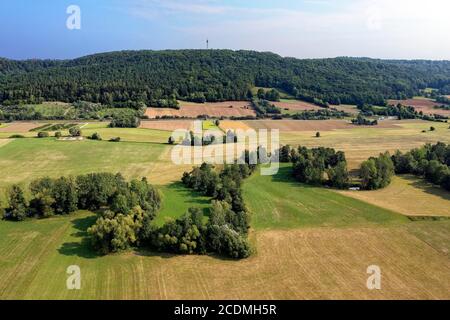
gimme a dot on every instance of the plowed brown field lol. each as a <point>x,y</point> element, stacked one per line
<point>20,127</point>
<point>193,110</point>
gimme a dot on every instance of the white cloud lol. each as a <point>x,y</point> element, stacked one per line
<point>376,28</point>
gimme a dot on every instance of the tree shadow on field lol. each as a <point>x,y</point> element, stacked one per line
<point>422,184</point>
<point>285,175</point>
<point>143,252</point>
<point>82,248</point>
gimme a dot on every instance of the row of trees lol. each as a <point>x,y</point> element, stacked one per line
<point>443,100</point>
<point>361,121</point>
<point>126,114</point>
<point>400,111</point>
<point>324,114</point>
<point>430,161</point>
<point>192,140</point>
<point>64,195</point>
<point>326,166</point>
<point>225,232</point>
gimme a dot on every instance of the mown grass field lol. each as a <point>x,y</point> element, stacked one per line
<point>88,128</point>
<point>312,263</point>
<point>177,199</point>
<point>409,195</point>
<point>279,202</point>
<point>310,243</point>
<point>23,160</point>
<point>210,125</point>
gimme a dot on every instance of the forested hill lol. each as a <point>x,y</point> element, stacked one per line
<point>214,75</point>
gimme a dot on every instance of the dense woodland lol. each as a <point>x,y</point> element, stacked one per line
<point>159,77</point>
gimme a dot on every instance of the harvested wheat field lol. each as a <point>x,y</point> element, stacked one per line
<point>20,127</point>
<point>167,125</point>
<point>353,110</point>
<point>422,104</point>
<point>4,142</point>
<point>429,200</point>
<point>311,125</point>
<point>296,105</point>
<point>226,125</point>
<point>317,263</point>
<point>213,109</point>
<point>360,143</point>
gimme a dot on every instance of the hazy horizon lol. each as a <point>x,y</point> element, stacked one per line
<point>379,29</point>
<point>181,49</point>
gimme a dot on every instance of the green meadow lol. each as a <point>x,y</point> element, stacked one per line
<point>279,202</point>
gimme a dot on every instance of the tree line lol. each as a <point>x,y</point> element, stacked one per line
<point>159,78</point>
<point>325,166</point>
<point>361,121</point>
<point>65,195</point>
<point>431,162</point>
<point>400,111</point>
<point>125,115</point>
<point>126,210</point>
<point>328,167</point>
<point>225,231</point>
<point>323,114</point>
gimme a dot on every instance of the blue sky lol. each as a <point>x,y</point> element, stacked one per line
<point>301,28</point>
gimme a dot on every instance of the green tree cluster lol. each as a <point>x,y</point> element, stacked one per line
<point>94,191</point>
<point>270,95</point>
<point>226,230</point>
<point>377,173</point>
<point>361,121</point>
<point>430,161</point>
<point>317,166</point>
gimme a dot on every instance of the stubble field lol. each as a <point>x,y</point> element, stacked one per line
<point>313,263</point>
<point>215,109</point>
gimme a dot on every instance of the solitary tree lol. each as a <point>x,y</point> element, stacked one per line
<point>75,132</point>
